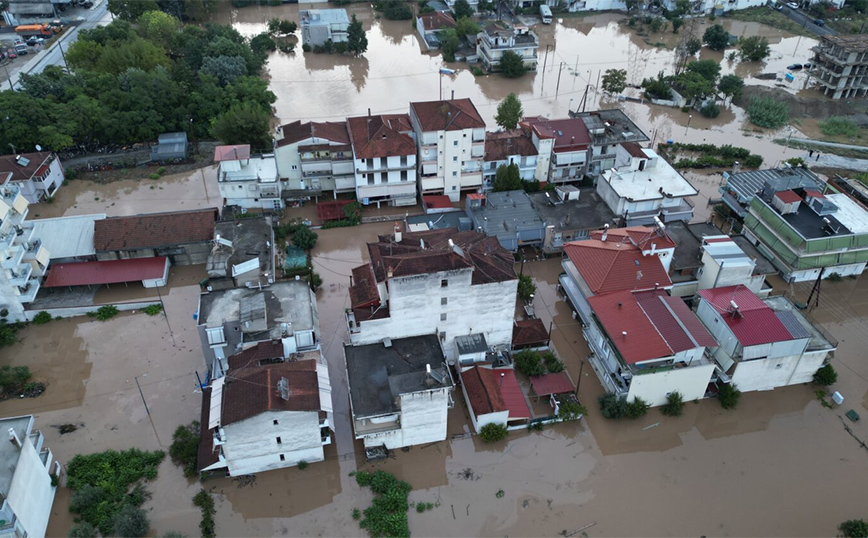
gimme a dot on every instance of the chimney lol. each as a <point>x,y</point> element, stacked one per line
<point>389,272</point>
<point>735,167</point>
<point>13,438</point>
<point>605,233</point>
<point>453,95</point>
<point>398,236</point>
<point>369,112</point>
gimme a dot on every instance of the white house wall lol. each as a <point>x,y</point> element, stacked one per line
<point>766,374</point>
<point>691,382</point>
<point>423,420</point>
<point>30,493</point>
<point>497,417</point>
<point>252,447</point>
<point>608,194</point>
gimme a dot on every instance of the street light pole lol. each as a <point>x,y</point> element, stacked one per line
<point>689,116</point>
<point>570,106</point>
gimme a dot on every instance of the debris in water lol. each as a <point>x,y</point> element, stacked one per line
<point>67,428</point>
<point>245,480</point>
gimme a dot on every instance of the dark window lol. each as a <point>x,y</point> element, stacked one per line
<point>275,423</point>
<point>282,457</point>
<point>443,301</point>
<point>444,283</point>
<point>279,441</point>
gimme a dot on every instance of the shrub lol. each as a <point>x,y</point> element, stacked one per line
<point>552,363</point>
<point>305,47</point>
<point>205,503</point>
<point>728,395</point>
<point>526,287</point>
<point>302,465</point>
<point>13,378</point>
<point>834,277</point>
<point>42,318</point>
<point>768,112</point>
<point>184,450</point>
<point>131,522</point>
<point>492,432</point>
<point>710,109</point>
<point>314,279</point>
<point>82,530</point>
<point>854,528</point>
<point>612,406</point>
<point>161,170</point>
<point>753,161</point>
<point>104,313</point>
<point>153,310</point>
<point>528,363</point>
<point>826,376</point>
<point>304,238</point>
<point>154,176</point>
<point>674,405</point>
<point>387,515</point>
<point>357,514</point>
<point>569,409</point>
<point>839,126</point>
<point>477,72</point>
<point>637,408</point>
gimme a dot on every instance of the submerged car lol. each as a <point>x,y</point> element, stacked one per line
<point>794,67</point>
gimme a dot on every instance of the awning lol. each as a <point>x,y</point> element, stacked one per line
<point>548,384</point>
<point>105,272</point>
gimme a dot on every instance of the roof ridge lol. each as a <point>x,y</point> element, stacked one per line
<point>651,321</point>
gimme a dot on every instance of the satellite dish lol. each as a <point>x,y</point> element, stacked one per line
<point>38,147</point>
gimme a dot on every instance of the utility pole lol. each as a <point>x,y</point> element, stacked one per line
<point>558,85</point>
<point>546,58</point>
<point>579,382</point>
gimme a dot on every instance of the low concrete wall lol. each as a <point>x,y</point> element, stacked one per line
<point>72,311</point>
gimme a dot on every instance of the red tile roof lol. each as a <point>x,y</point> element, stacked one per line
<point>754,323</point>
<point>499,146</point>
<point>253,390</point>
<point>608,266</point>
<point>105,272</point>
<point>788,196</point>
<point>814,193</point>
<point>331,210</point>
<point>633,149</point>
<point>437,201</point>
<point>363,292</point>
<point>450,115</point>
<point>9,164</point>
<point>437,20</point>
<point>333,131</point>
<point>675,322</point>
<point>569,134</point>
<point>381,136</point>
<point>528,332</point>
<point>251,356</point>
<point>492,391</point>
<point>559,383</point>
<point>154,230</point>
<point>231,153</point>
<point>641,236</point>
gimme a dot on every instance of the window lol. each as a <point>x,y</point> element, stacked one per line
<point>275,423</point>
<point>282,457</point>
<point>455,159</point>
<point>442,335</point>
<point>454,174</point>
<point>279,441</point>
<point>294,167</point>
<point>239,186</point>
<point>454,188</point>
<point>464,135</point>
<point>444,283</point>
<point>443,317</point>
<point>403,175</point>
<point>383,162</point>
<point>443,301</point>
<point>455,143</point>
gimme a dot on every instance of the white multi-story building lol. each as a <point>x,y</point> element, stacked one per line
<point>26,486</point>
<point>506,148</point>
<point>38,175</point>
<point>563,148</point>
<point>266,414</point>
<point>499,37</point>
<point>400,391</point>
<point>245,181</point>
<point>450,139</point>
<point>23,258</point>
<point>643,186</point>
<point>607,129</point>
<point>441,282</point>
<point>321,25</point>
<point>313,158</point>
<point>384,159</point>
<point>763,343</point>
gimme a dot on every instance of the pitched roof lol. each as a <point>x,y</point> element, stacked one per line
<point>38,162</point>
<point>154,230</point>
<point>381,136</point>
<point>363,292</point>
<point>105,272</point>
<point>231,153</point>
<point>529,331</point>
<point>634,149</point>
<point>608,266</point>
<point>208,454</point>
<point>641,236</point>
<point>296,131</point>
<point>448,115</point>
<point>789,196</point>
<point>754,322</point>
<point>499,146</point>
<point>437,20</point>
<point>272,349</point>
<point>492,391</point>
<point>430,252</point>
<point>253,390</point>
<point>559,383</point>
<point>569,134</point>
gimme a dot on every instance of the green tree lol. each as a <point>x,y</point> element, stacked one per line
<point>131,522</point>
<point>692,46</point>
<point>692,85</point>
<point>728,395</point>
<point>631,5</point>
<point>357,41</point>
<point>304,238</point>
<point>131,10</point>
<point>826,376</point>
<point>82,530</point>
<point>526,287</point>
<point>753,48</point>
<point>681,8</point>
<point>674,405</point>
<point>158,27</point>
<point>730,86</point>
<point>462,9</point>
<point>716,37</point>
<point>226,69</point>
<point>449,43</point>
<point>512,65</point>
<point>677,23</point>
<point>184,450</point>
<point>528,362</point>
<point>466,26</point>
<point>854,528</point>
<point>509,112</point>
<point>709,69</point>
<point>507,178</point>
<point>263,43</point>
<point>395,10</point>
<point>487,6</point>
<point>768,112</point>
<point>244,123</point>
<point>637,408</point>
<point>612,407</point>
<point>493,432</point>
<point>614,80</point>
<point>287,27</point>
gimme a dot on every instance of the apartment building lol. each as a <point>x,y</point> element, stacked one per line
<point>607,129</point>
<point>37,175</point>
<point>840,66</point>
<point>313,158</point>
<point>739,188</point>
<point>505,148</point>
<point>24,260</point>
<point>562,146</point>
<point>250,182</point>
<point>444,282</point>
<point>321,25</point>
<point>496,38</point>
<point>450,142</point>
<point>384,159</point>
<point>642,187</point>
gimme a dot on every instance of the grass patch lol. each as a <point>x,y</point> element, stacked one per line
<point>153,310</point>
<point>839,126</point>
<point>770,17</point>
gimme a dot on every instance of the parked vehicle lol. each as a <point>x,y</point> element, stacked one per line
<point>545,13</point>
<point>794,67</point>
<point>27,30</point>
<point>33,41</point>
<point>793,5</point>
<point>819,22</point>
<point>20,48</point>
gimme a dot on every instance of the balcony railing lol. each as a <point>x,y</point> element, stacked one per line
<point>13,257</point>
<point>21,274</point>
<point>28,292</point>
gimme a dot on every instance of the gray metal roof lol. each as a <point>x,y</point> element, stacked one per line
<point>67,237</point>
<point>747,184</point>
<point>792,324</point>
<point>471,343</point>
<point>508,215</point>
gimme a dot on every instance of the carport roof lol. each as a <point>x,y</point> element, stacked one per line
<point>105,272</point>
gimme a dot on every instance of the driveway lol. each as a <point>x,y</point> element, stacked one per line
<point>806,20</point>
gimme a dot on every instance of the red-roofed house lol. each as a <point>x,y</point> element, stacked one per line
<point>562,146</point>
<point>506,148</point>
<point>650,240</point>
<point>450,139</point>
<point>429,26</point>
<point>493,396</point>
<point>313,158</point>
<point>384,159</point>
<point>764,343</point>
<point>37,175</point>
<point>266,415</point>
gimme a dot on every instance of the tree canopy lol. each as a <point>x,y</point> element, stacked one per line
<point>708,69</point>
<point>357,41</point>
<point>466,26</point>
<point>507,178</point>
<point>753,48</point>
<point>614,80</point>
<point>511,65</point>
<point>462,9</point>
<point>716,37</point>
<point>509,112</point>
<point>730,86</point>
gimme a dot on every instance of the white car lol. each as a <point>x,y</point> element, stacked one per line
<point>793,5</point>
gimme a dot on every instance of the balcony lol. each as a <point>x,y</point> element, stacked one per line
<point>27,293</point>
<point>352,325</point>
<point>20,274</point>
<point>13,257</point>
<point>26,236</point>
<point>370,428</point>
<point>603,157</point>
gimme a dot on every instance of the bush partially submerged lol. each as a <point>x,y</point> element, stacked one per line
<point>826,376</point>
<point>185,448</point>
<point>492,432</point>
<point>674,405</point>
<point>728,395</point>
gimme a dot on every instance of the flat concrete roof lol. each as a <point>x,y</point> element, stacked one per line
<point>264,168</point>
<point>506,213</point>
<point>850,214</point>
<point>438,221</point>
<point>67,237</point>
<point>324,16</point>
<point>285,302</point>
<point>728,253</point>
<point>646,184</point>
<point>589,212</point>
<point>688,248</point>
<point>9,453</point>
<point>251,239</point>
<point>763,265</point>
